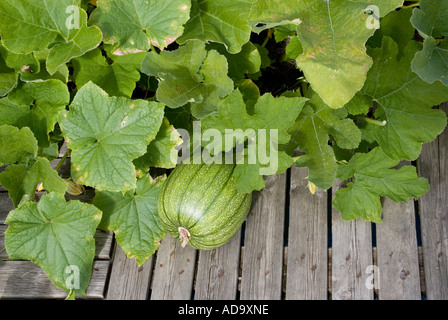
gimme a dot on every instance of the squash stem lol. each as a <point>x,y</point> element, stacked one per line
<point>61,162</point>
<point>375,122</point>
<point>184,235</point>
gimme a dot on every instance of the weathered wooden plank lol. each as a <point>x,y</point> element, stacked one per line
<point>433,165</point>
<point>351,256</point>
<point>26,280</point>
<point>173,271</point>
<point>307,272</point>
<point>103,244</point>
<point>397,253</point>
<point>217,276</point>
<point>127,280</point>
<point>2,168</point>
<point>263,256</point>
<point>6,206</point>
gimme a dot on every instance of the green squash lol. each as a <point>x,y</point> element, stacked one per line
<point>200,205</point>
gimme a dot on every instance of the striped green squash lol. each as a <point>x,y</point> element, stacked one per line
<point>200,206</point>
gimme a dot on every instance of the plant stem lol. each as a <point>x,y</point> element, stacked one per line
<point>62,161</point>
<point>373,121</point>
<point>411,5</point>
<point>304,87</point>
<point>268,37</point>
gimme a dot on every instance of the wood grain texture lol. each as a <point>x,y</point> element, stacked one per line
<point>351,255</point>
<point>6,206</point>
<point>173,271</point>
<point>127,280</point>
<point>26,280</point>
<point>397,252</point>
<point>307,271</point>
<point>433,165</point>
<point>217,276</point>
<point>263,255</point>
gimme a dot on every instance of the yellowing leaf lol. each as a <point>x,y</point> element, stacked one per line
<point>136,25</point>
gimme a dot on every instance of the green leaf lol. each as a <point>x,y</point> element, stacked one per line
<point>267,123</point>
<point>42,74</point>
<point>431,19</point>
<point>56,235</point>
<point>105,134</point>
<point>397,25</point>
<point>215,85</point>
<point>117,79</point>
<point>373,177</point>
<point>16,145</point>
<point>178,73</point>
<point>294,48</point>
<point>21,180</point>
<point>333,36</point>
<point>35,25</point>
<point>247,61</point>
<point>404,101</point>
<point>133,217</point>
<point>360,104</point>
<point>35,105</point>
<point>267,14</point>
<point>135,25</point>
<point>250,92</point>
<point>8,78</point>
<point>88,38</point>
<point>11,65</point>
<point>190,74</point>
<point>311,133</point>
<point>161,152</point>
<point>32,25</point>
<point>356,202</point>
<point>180,117</point>
<point>431,64</point>
<point>219,21</point>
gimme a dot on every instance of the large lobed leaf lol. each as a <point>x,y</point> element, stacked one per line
<point>276,114</point>
<point>35,105</point>
<point>16,145</point>
<point>117,79</point>
<point>405,102</point>
<point>333,35</point>
<point>219,21</point>
<point>431,21</point>
<point>373,178</point>
<point>133,217</point>
<point>136,25</point>
<point>56,235</point>
<point>35,25</point>
<point>190,74</point>
<point>311,133</point>
<point>106,134</point>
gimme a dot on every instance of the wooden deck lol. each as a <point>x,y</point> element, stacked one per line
<point>292,246</point>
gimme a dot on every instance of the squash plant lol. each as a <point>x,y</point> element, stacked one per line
<point>348,87</point>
